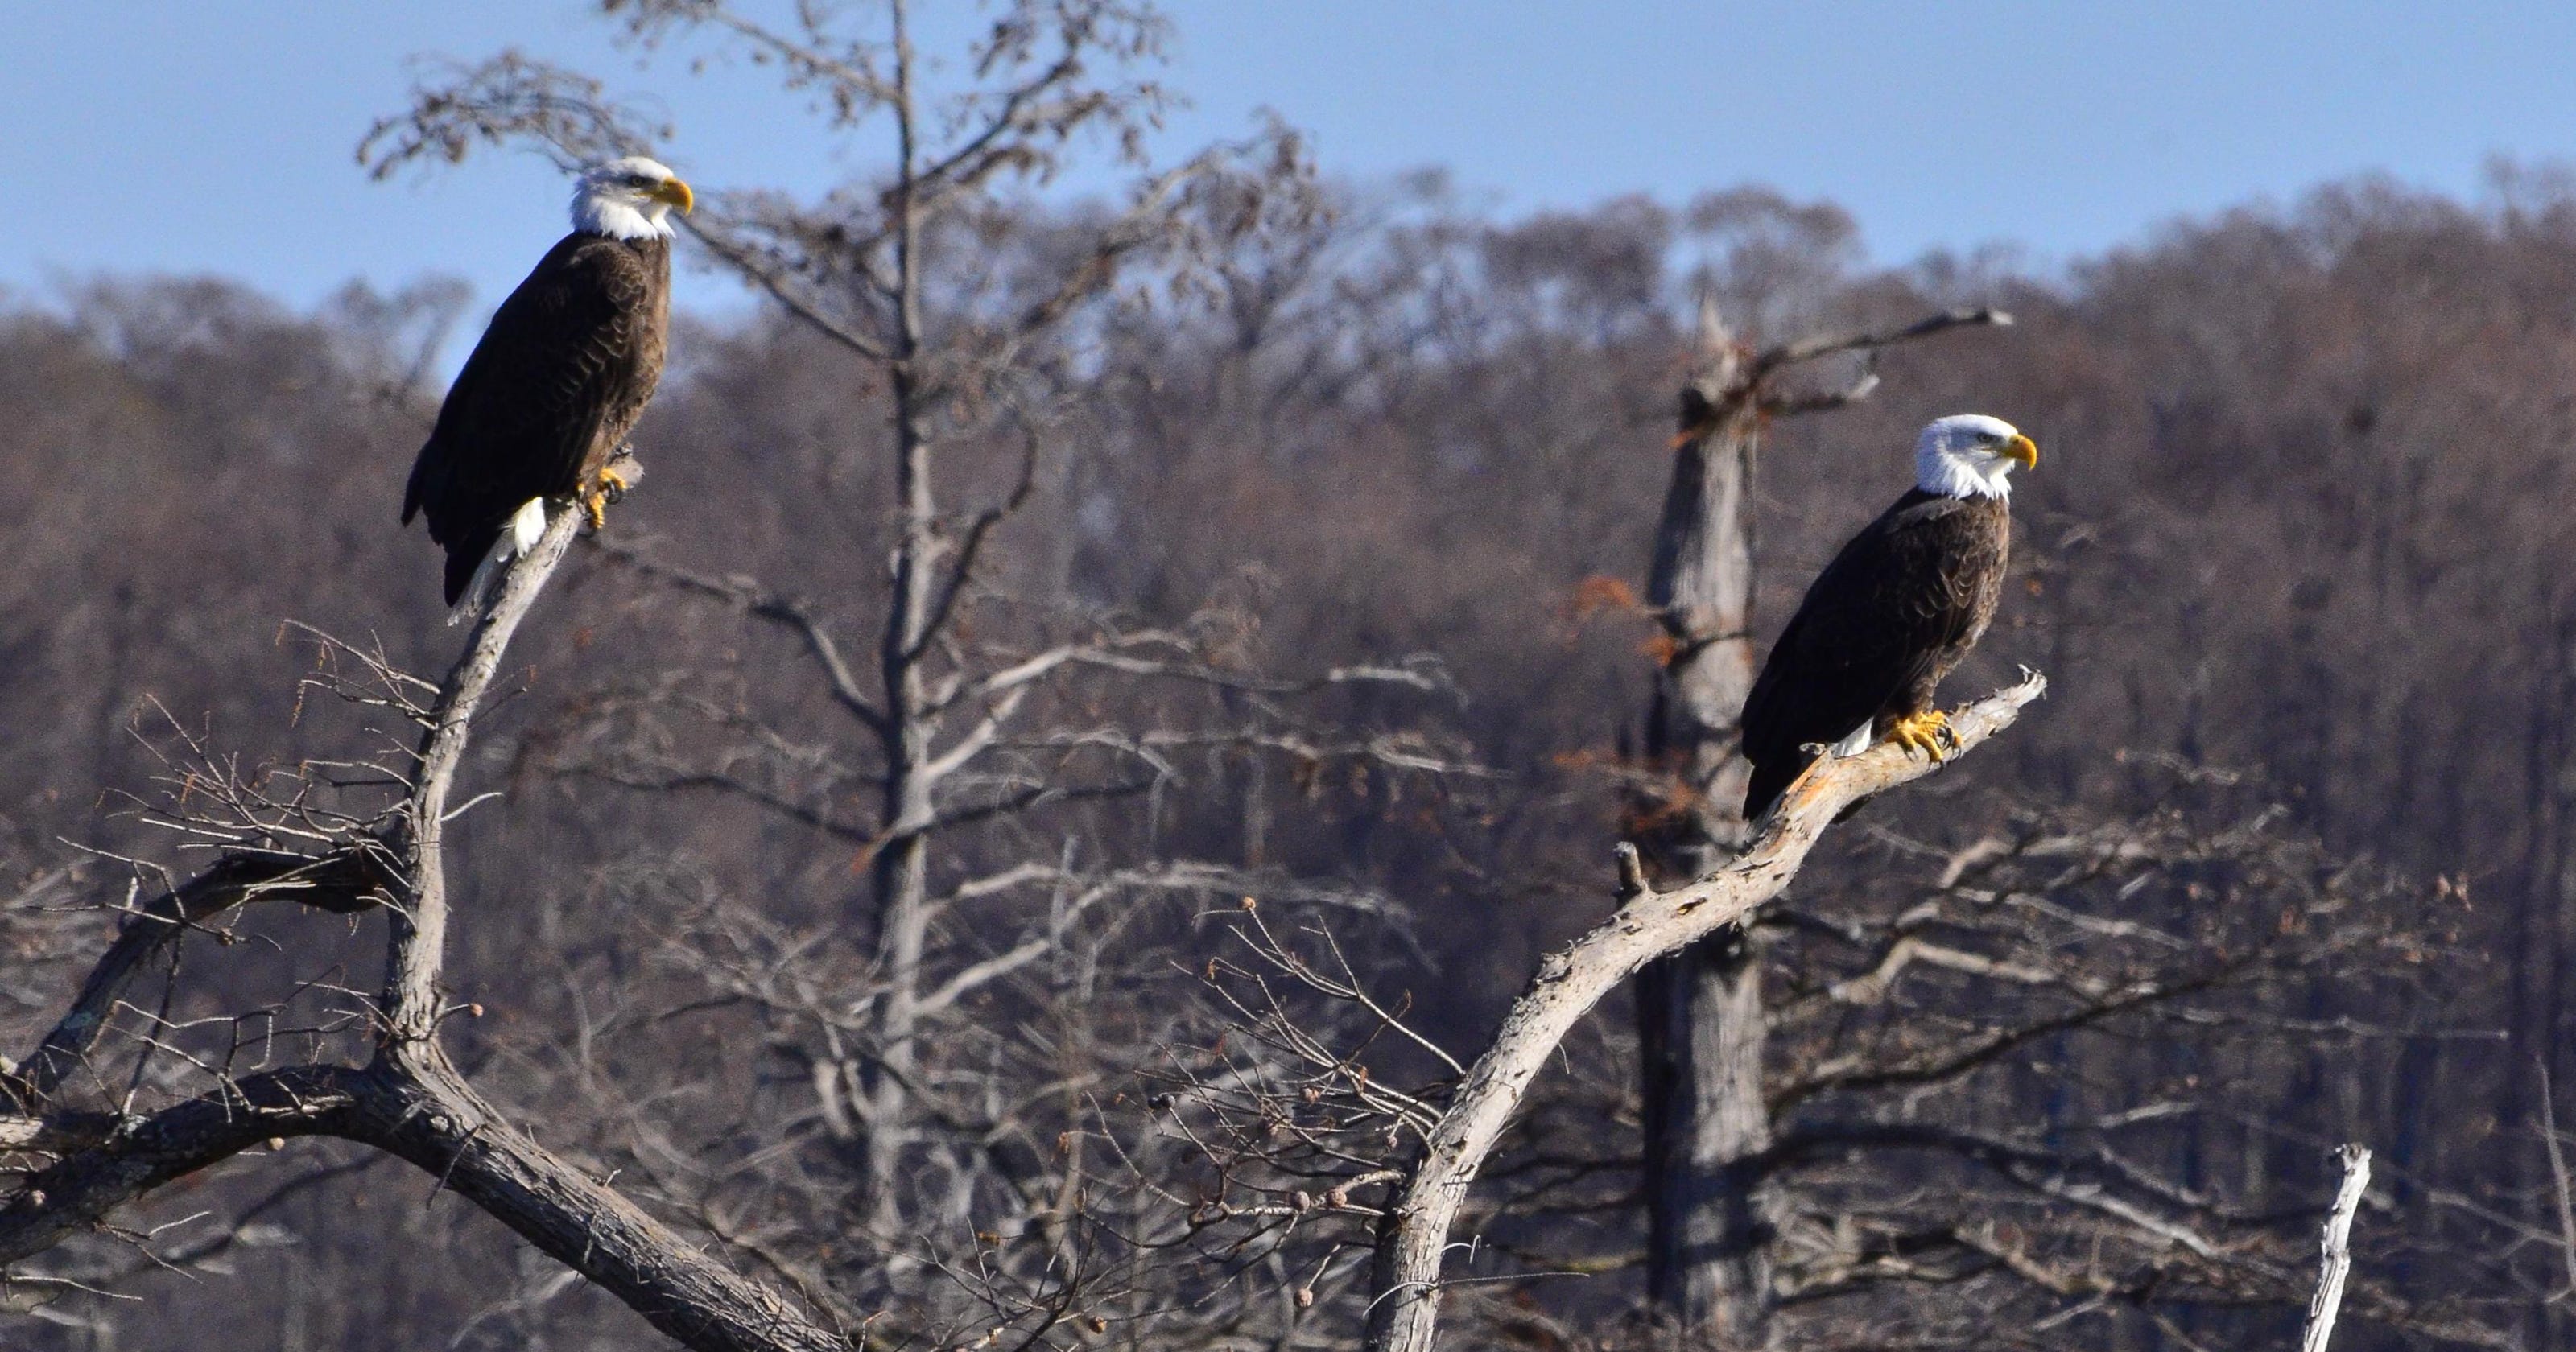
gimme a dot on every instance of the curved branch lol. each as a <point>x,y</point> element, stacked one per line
<point>419,944</point>
<point>1404,1308</point>
<point>410,1101</point>
<point>423,1112</point>
<point>1737,382</point>
<point>1808,349</point>
<point>418,1107</point>
<point>747,595</point>
<point>140,1154</point>
<point>350,880</point>
<point>426,1114</point>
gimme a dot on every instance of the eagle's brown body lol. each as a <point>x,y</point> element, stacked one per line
<point>1880,627</point>
<point>551,391</point>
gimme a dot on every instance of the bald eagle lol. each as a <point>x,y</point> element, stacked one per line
<point>1892,614</point>
<point>556,382</point>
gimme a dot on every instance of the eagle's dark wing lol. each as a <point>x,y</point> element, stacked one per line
<point>567,363</point>
<point>1879,628</point>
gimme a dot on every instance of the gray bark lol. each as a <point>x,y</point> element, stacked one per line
<point>1700,1019</point>
<point>902,867</point>
<point>1701,1022</point>
<point>1702,1028</point>
<point>409,1101</point>
<point>1405,1274</point>
<point>2334,1262</point>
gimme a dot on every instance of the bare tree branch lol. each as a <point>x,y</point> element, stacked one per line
<point>347,881</point>
<point>2335,1263</point>
<point>136,1157</point>
<point>1405,1287</point>
<point>749,597</point>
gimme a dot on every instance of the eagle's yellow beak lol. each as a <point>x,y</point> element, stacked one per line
<point>2022,451</point>
<point>676,193</point>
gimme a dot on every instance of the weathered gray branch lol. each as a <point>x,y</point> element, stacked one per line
<point>1741,381</point>
<point>1809,349</point>
<point>2336,1262</point>
<point>1404,1307</point>
<point>428,1115</point>
<point>411,1001</point>
<point>418,1107</point>
<point>410,1101</point>
<point>748,596</point>
<point>351,880</point>
<point>137,1155</point>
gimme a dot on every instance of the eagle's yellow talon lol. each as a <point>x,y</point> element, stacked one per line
<point>609,491</point>
<point>1928,732</point>
<point>594,505</point>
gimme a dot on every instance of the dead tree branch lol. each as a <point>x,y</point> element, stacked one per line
<point>1404,1306</point>
<point>348,881</point>
<point>409,1101</point>
<point>2336,1263</point>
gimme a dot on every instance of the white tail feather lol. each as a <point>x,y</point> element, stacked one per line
<point>528,525</point>
<point>518,538</point>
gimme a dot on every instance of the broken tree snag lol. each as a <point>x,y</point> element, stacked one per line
<point>2335,1245</point>
<point>1405,1278</point>
<point>1702,1027</point>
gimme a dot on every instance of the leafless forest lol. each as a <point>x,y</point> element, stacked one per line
<point>1015,833</point>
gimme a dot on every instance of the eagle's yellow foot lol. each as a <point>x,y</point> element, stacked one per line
<point>613,485</point>
<point>594,506</point>
<point>1928,732</point>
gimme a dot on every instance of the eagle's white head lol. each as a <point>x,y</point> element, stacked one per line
<point>629,199</point>
<point>1969,455</point>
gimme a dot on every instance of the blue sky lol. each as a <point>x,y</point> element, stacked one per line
<point>194,137</point>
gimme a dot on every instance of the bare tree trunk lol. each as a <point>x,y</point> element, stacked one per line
<point>1700,1019</point>
<point>1702,1026</point>
<point>1701,1022</point>
<point>902,867</point>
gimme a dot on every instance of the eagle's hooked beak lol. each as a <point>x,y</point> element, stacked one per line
<point>676,193</point>
<point>2021,450</point>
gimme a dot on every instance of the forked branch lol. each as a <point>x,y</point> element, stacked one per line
<point>409,1101</point>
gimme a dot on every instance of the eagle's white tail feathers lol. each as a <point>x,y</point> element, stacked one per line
<point>1857,741</point>
<point>528,525</point>
<point>518,537</point>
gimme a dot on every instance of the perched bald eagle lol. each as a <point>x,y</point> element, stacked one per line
<point>556,382</point>
<point>1894,611</point>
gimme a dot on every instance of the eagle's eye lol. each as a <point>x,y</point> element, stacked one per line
<point>639,180</point>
